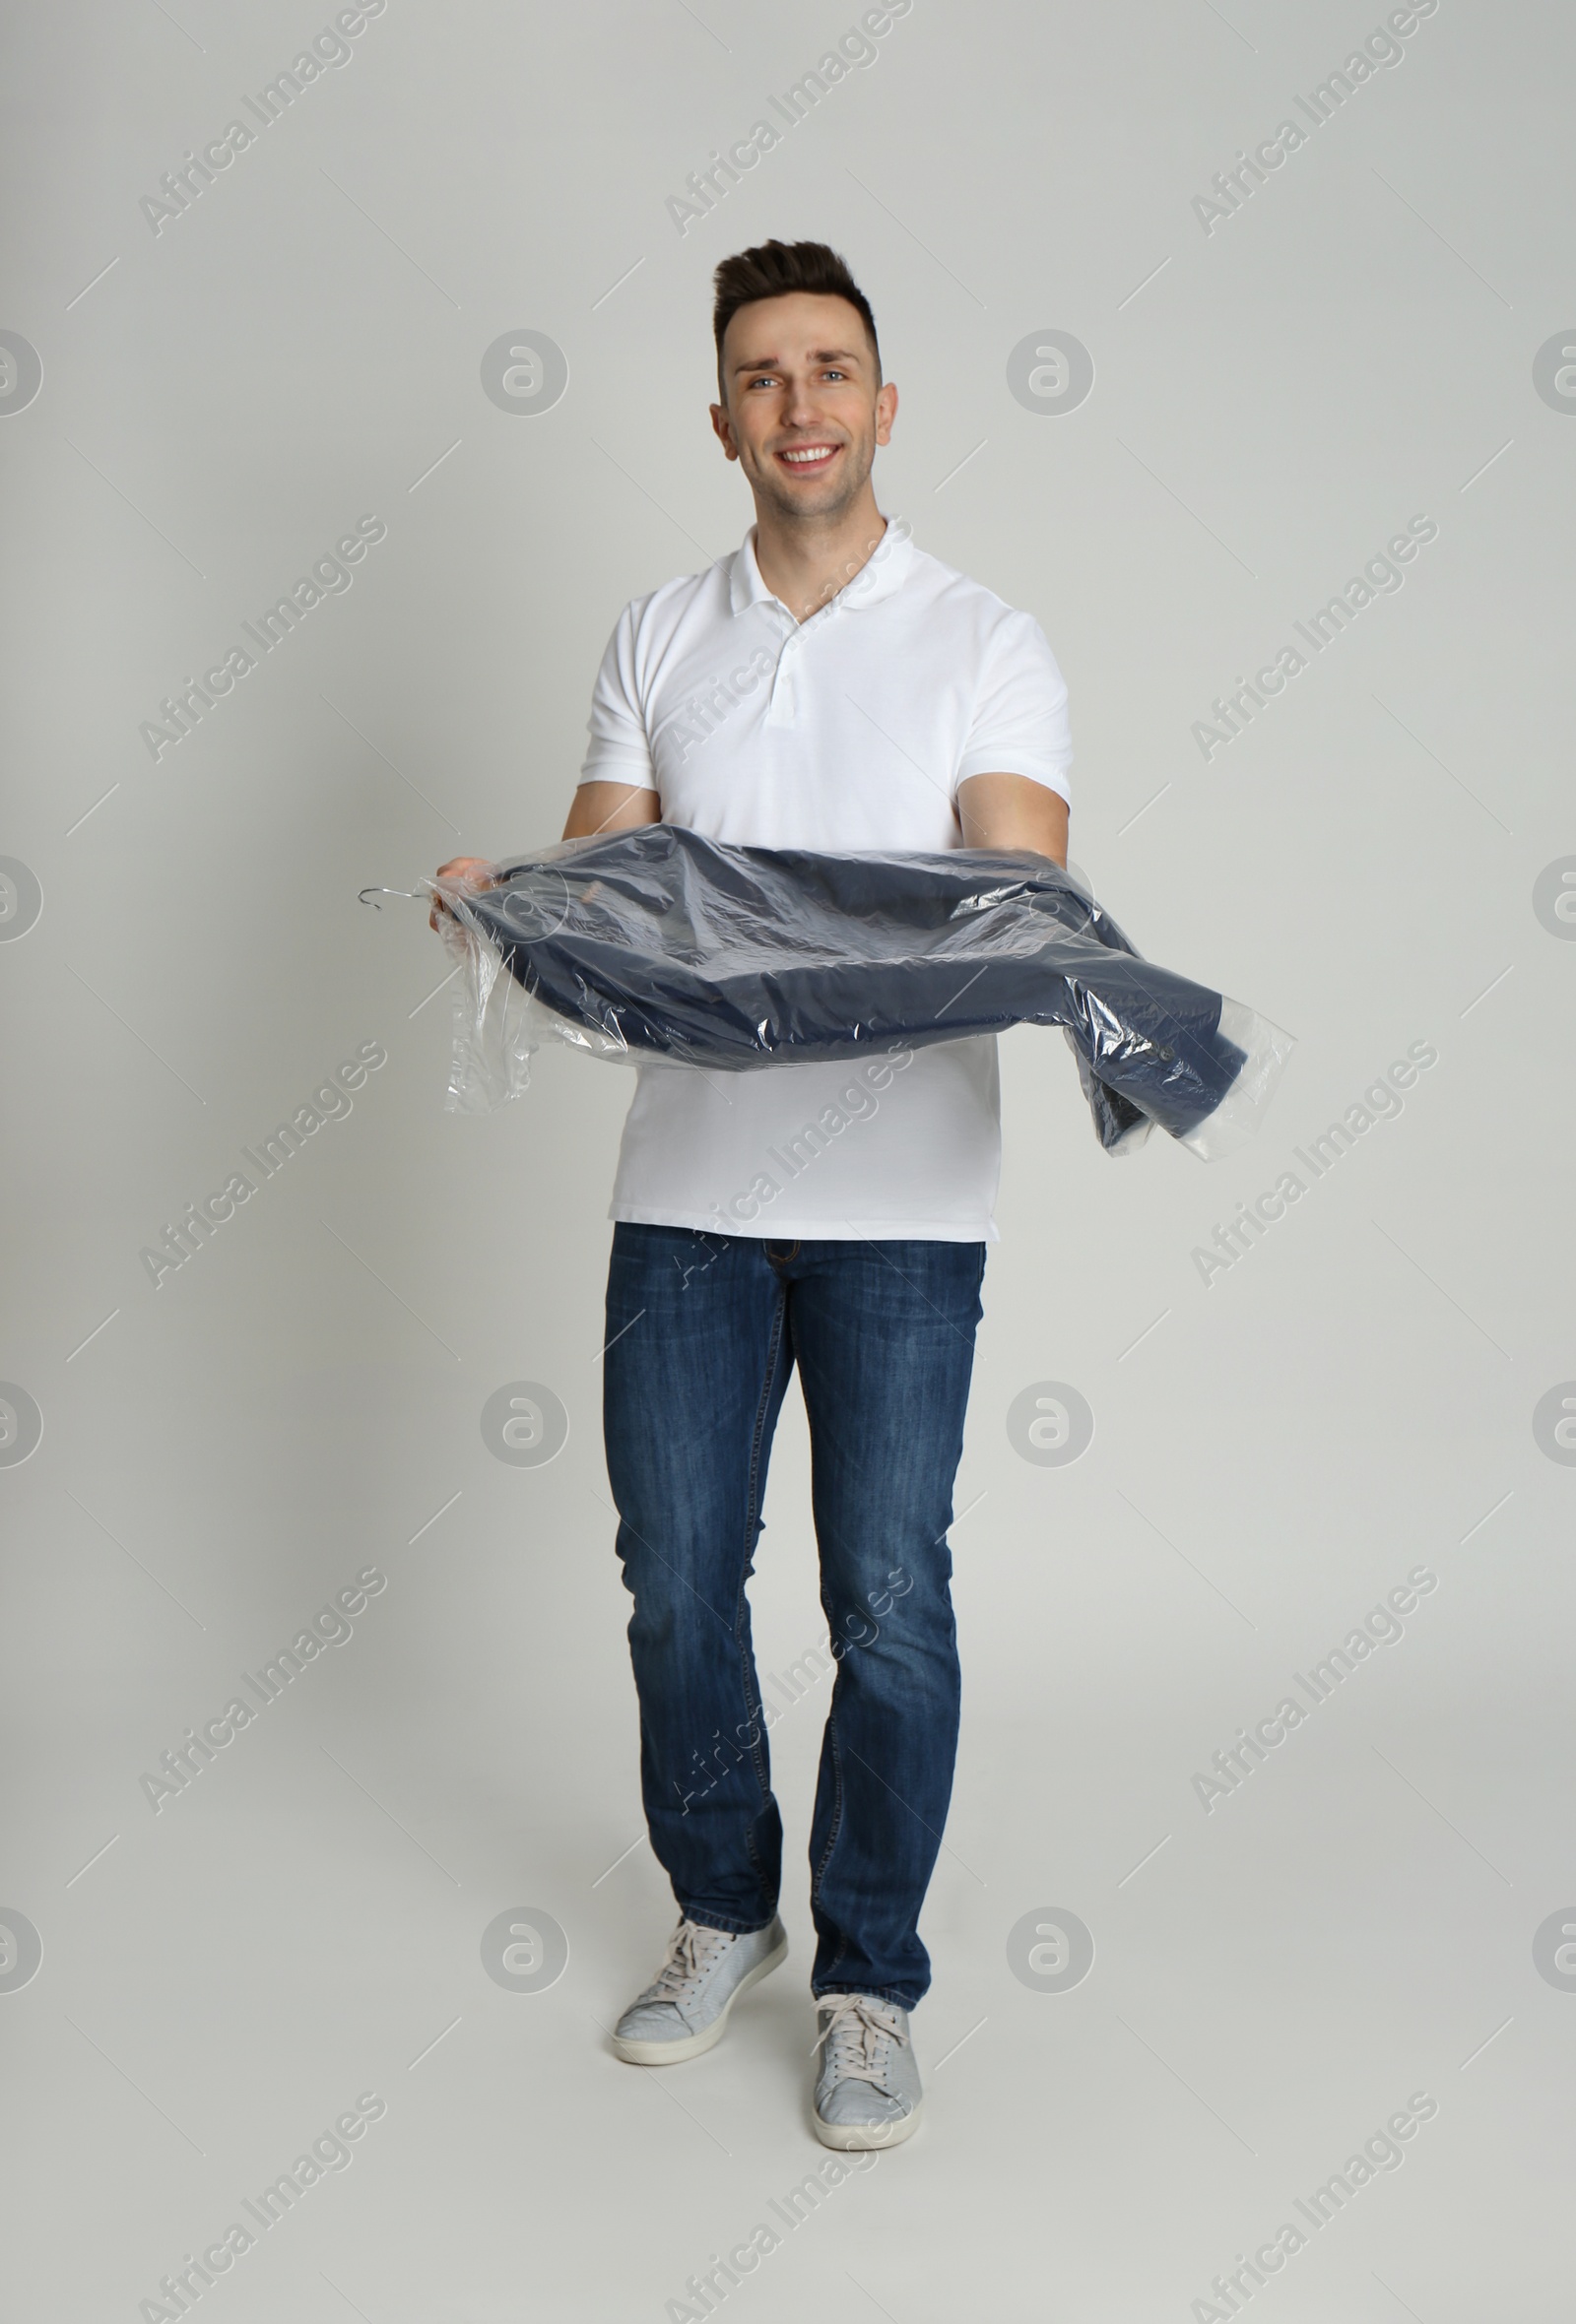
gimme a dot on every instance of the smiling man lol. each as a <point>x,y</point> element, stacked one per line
<point>828,686</point>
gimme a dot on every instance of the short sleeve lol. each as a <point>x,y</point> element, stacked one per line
<point>1020,725</point>
<point>620,749</point>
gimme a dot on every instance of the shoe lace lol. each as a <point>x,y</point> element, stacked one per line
<point>857,2029</point>
<point>692,1951</point>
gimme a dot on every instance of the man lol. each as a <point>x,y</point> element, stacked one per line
<point>830,686</point>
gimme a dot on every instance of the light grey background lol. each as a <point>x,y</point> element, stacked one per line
<point>1272,1452</point>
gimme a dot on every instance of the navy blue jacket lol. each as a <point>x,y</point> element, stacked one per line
<point>660,940</point>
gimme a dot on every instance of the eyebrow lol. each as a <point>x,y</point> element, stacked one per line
<point>818,355</point>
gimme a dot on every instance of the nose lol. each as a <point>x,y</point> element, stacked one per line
<point>800,410</point>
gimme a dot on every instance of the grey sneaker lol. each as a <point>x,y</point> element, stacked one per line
<point>868,2090</point>
<point>685,2009</point>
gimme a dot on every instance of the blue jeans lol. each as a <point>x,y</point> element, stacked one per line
<point>702,1334</point>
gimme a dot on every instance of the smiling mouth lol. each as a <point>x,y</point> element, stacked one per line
<point>809,459</point>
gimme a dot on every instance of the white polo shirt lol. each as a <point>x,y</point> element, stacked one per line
<point>848,732</point>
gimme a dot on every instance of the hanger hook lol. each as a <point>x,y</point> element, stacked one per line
<point>369,896</point>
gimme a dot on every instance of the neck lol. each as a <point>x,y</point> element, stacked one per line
<point>806,564</point>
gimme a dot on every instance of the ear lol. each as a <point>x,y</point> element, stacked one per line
<point>885,412</point>
<point>722,427</point>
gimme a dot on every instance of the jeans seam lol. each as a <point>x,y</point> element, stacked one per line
<point>751,1510</point>
<point>729,1927</point>
<point>817,1878</point>
<point>898,2000</point>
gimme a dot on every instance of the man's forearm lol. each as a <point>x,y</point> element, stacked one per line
<point>1014,811</point>
<point>611,807</point>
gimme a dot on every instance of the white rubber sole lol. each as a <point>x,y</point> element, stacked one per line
<point>668,2053</point>
<point>859,2137</point>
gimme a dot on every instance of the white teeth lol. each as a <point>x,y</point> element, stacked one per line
<point>804,459</point>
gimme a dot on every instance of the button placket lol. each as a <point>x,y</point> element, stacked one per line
<point>781,708</point>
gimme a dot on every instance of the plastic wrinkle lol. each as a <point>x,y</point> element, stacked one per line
<point>658,943</point>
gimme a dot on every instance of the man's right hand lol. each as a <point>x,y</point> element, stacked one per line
<point>470,872</point>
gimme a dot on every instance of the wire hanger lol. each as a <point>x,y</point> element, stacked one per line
<point>369,896</point>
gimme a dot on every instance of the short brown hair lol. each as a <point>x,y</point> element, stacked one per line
<point>774,269</point>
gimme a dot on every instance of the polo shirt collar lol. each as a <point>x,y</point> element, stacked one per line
<point>883,572</point>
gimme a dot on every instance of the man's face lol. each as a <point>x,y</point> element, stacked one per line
<point>804,413</point>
